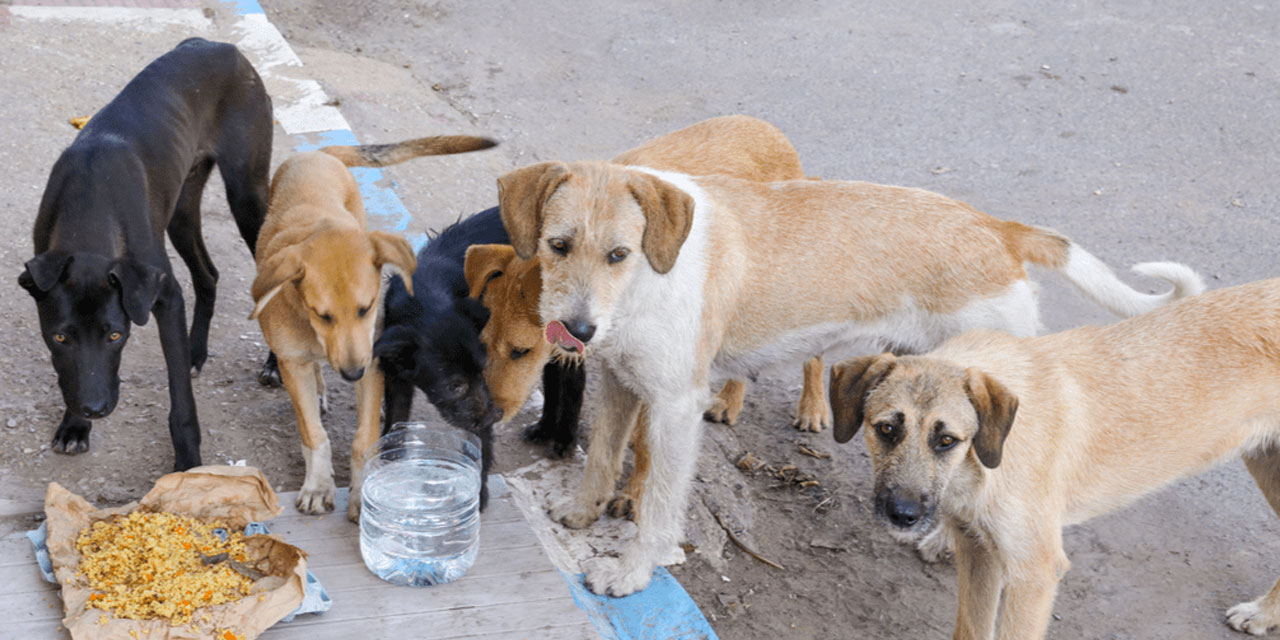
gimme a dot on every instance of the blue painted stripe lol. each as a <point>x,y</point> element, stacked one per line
<point>244,7</point>
<point>382,206</point>
<point>663,611</point>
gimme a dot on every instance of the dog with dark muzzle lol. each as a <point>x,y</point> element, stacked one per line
<point>137,171</point>
<point>431,339</point>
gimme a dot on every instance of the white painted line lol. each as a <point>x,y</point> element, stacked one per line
<point>146,19</point>
<point>299,103</point>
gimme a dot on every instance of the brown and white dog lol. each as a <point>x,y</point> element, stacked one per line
<point>1009,439</point>
<point>319,288</point>
<point>738,146</point>
<point>667,276</point>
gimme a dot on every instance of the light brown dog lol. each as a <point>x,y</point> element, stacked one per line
<point>738,146</point>
<point>1010,439</point>
<point>667,276</point>
<point>318,293</point>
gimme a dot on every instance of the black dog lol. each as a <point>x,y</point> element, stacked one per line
<point>432,341</point>
<point>137,170</point>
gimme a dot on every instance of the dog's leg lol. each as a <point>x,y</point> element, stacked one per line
<point>184,233</point>
<point>1261,615</point>
<point>318,490</point>
<point>979,579</point>
<point>673,434</point>
<point>244,161</point>
<point>368,418</point>
<point>728,403</point>
<point>614,421</point>
<point>184,426</point>
<point>562,386</point>
<point>813,414</point>
<point>398,400</point>
<point>72,435</point>
<point>322,392</point>
<point>627,503</point>
<point>1030,588</point>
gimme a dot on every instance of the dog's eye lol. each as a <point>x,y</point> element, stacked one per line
<point>115,336</point>
<point>516,354</point>
<point>458,388</point>
<point>326,317</point>
<point>617,255</point>
<point>362,311</point>
<point>945,442</point>
<point>59,338</point>
<point>559,245</point>
<point>885,429</point>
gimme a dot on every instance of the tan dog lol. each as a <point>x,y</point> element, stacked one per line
<point>1010,439</point>
<point>667,276</point>
<point>737,146</point>
<point>318,293</point>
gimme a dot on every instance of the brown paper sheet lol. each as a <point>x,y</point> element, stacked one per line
<point>237,494</point>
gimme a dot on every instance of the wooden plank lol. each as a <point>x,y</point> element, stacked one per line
<point>554,617</point>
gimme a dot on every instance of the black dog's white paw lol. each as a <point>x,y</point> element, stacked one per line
<point>72,437</point>
<point>557,445</point>
<point>269,376</point>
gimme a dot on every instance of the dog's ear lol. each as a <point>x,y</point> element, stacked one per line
<point>397,352</point>
<point>139,286</point>
<point>996,408</point>
<point>392,249</point>
<point>668,216</point>
<point>851,381</point>
<point>521,197</point>
<point>43,271</point>
<point>280,269</point>
<point>485,262</point>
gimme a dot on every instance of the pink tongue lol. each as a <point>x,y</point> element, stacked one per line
<point>560,336</point>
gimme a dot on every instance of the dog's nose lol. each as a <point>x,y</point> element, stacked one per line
<point>353,374</point>
<point>903,513</point>
<point>94,409</point>
<point>580,329</point>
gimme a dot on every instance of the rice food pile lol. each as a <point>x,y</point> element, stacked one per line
<point>148,565</point>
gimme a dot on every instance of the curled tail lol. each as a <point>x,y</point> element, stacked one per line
<point>1092,276</point>
<point>381,155</point>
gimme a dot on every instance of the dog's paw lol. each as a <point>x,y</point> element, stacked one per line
<point>353,509</point>
<point>324,404</point>
<point>557,445</point>
<point>622,506</point>
<point>721,413</point>
<point>574,515</point>
<point>937,546</point>
<point>812,417</point>
<point>72,437</point>
<point>314,502</point>
<point>1251,618</point>
<point>616,576</point>
<point>269,375</point>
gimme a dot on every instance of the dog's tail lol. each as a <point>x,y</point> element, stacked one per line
<point>381,155</point>
<point>1092,276</point>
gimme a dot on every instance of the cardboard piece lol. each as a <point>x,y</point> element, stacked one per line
<point>237,495</point>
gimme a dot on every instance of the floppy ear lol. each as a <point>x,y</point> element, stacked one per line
<point>139,286</point>
<point>485,262</point>
<point>281,269</point>
<point>668,215</point>
<point>521,196</point>
<point>996,408</point>
<point>397,351</point>
<point>392,249</point>
<point>43,271</point>
<point>851,381</point>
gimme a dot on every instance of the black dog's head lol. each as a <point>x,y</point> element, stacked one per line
<point>445,359</point>
<point>86,303</point>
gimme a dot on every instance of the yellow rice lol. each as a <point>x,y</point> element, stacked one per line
<point>145,566</point>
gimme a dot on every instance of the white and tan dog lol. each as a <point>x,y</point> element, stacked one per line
<point>1010,439</point>
<point>666,276</point>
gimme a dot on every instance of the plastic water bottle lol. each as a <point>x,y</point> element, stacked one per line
<point>419,517</point>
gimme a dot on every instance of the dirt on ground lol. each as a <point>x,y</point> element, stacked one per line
<point>583,87</point>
